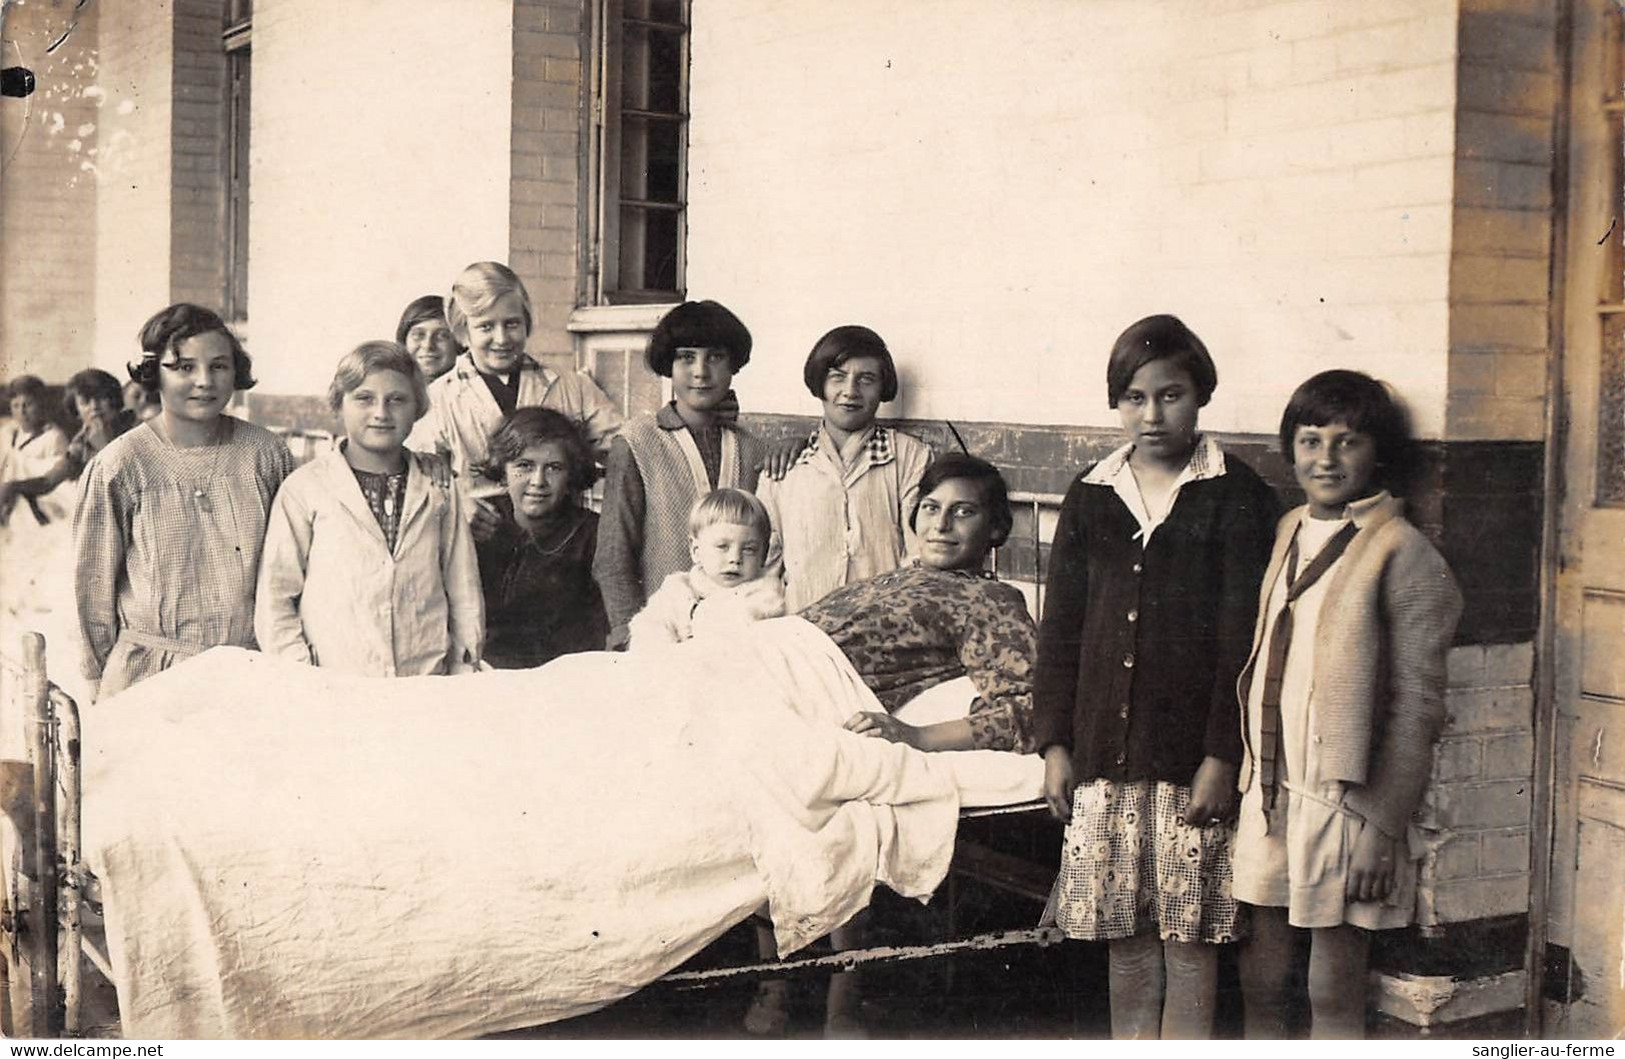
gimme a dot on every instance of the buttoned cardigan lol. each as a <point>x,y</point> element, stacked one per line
<point>1386,623</point>
<point>1139,647</point>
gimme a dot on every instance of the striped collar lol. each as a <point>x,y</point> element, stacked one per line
<point>878,449</point>
<point>1207,461</point>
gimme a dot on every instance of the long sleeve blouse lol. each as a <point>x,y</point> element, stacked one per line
<point>916,627</point>
<point>1141,644</point>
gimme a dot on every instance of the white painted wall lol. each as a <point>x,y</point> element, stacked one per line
<point>380,154</point>
<point>1000,188</point>
<point>133,174</point>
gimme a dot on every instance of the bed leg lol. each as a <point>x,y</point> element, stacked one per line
<point>42,935</point>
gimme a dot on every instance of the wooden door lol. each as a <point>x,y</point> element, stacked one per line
<point>1587,908</point>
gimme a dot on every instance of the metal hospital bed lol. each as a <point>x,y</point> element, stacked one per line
<point>50,910</point>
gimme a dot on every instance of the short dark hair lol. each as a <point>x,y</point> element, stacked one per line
<point>1364,404</point>
<point>839,346</point>
<point>1160,337</point>
<point>173,325</point>
<point>89,385</point>
<point>995,494</point>
<point>428,307</point>
<point>534,426</point>
<point>705,324</point>
<point>25,386</point>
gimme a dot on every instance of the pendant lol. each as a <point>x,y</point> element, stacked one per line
<point>202,497</point>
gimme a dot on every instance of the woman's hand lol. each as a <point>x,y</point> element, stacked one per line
<point>1372,869</point>
<point>1058,782</point>
<point>781,456</point>
<point>483,519</point>
<point>883,726</point>
<point>1213,792</point>
<point>434,465</point>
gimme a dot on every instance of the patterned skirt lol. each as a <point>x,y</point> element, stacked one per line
<point>1129,866</point>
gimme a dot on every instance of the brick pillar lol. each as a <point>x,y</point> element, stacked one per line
<point>545,187</point>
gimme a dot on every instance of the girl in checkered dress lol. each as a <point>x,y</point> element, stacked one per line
<point>171,514</point>
<point>1153,586</point>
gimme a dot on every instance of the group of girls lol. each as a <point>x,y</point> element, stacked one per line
<point>1196,646</point>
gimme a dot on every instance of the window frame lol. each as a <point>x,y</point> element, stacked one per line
<point>236,40</point>
<point>605,240</point>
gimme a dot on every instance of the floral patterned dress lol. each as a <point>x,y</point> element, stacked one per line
<point>916,627</point>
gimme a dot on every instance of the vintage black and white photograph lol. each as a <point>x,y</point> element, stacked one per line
<point>812,519</point>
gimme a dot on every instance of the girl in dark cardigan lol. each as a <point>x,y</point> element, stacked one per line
<point>1153,588</point>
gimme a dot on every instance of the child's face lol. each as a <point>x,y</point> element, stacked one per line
<point>432,346</point>
<point>96,408</point>
<point>379,413</point>
<point>538,479</point>
<point>730,554</point>
<point>26,410</point>
<point>496,337</point>
<point>954,526</point>
<point>1159,410</point>
<point>852,394</point>
<point>701,377</point>
<point>195,381</point>
<point>1335,464</point>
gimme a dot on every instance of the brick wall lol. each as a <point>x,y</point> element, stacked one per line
<point>545,185</point>
<point>48,146</point>
<point>380,149</point>
<point>197,267</point>
<point>1500,256</point>
<point>1478,806</point>
<point>1000,190</point>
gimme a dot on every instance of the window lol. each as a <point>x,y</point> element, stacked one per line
<point>235,38</point>
<point>639,141</point>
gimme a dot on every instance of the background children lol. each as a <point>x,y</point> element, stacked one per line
<point>369,567</point>
<point>30,444</point>
<point>1153,587</point>
<point>1360,607</point>
<point>540,598</point>
<point>93,397</point>
<point>662,464</point>
<point>424,333</point>
<point>490,315</point>
<point>728,539</point>
<point>171,515</point>
<point>841,514</point>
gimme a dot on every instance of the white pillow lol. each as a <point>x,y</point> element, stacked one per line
<point>985,777</point>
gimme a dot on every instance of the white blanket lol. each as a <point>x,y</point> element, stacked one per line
<point>286,853</point>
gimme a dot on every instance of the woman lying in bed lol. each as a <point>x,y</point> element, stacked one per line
<point>942,618</point>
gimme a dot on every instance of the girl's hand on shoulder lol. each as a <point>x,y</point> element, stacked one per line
<point>1058,782</point>
<point>883,726</point>
<point>1213,793</point>
<point>435,466</point>
<point>781,457</point>
<point>1373,866</point>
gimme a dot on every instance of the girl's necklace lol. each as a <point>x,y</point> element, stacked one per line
<point>200,491</point>
<point>536,540</point>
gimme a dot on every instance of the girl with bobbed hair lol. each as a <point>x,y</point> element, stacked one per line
<point>172,513</point>
<point>842,512</point>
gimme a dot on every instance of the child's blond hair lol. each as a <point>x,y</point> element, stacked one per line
<point>734,507</point>
<point>381,355</point>
<point>477,288</point>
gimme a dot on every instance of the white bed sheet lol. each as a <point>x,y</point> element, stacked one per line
<point>284,852</point>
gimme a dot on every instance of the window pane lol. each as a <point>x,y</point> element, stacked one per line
<point>654,10</point>
<point>651,70</point>
<point>648,249</point>
<point>651,160</point>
